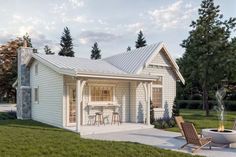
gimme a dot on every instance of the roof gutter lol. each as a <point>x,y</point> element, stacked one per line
<point>117,76</point>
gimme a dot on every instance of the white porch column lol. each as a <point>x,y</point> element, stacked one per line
<point>148,102</point>
<point>78,101</point>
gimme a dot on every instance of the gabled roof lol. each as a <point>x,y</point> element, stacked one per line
<point>83,67</point>
<point>129,64</point>
<point>135,60</point>
<point>132,61</point>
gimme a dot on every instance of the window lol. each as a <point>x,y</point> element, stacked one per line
<point>36,69</point>
<point>36,95</point>
<point>157,97</point>
<point>101,93</point>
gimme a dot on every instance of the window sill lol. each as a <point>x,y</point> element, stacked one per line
<point>159,109</point>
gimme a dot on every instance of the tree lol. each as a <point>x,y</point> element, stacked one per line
<point>128,48</point>
<point>175,109</point>
<point>141,40</point>
<point>95,52</point>
<point>48,51</point>
<point>66,44</point>
<point>207,50</point>
<point>8,67</point>
<point>27,38</point>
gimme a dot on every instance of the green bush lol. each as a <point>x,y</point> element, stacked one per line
<point>164,123</point>
<point>7,115</point>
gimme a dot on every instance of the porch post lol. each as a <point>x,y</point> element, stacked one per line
<point>148,103</point>
<point>78,101</point>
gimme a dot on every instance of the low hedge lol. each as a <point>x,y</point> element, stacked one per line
<point>197,104</point>
<point>7,115</point>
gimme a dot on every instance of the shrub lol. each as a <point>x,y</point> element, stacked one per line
<point>164,123</point>
<point>7,115</point>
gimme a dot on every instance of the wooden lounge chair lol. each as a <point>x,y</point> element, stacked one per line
<point>234,127</point>
<point>192,137</point>
<point>179,120</point>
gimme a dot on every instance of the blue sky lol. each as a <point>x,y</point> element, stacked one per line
<point>112,23</point>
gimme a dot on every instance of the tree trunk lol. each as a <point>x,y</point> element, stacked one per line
<point>205,100</point>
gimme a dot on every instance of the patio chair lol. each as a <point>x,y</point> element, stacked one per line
<point>179,120</point>
<point>234,127</point>
<point>192,137</point>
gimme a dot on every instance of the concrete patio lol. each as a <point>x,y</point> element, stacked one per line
<point>161,139</point>
<point>108,128</point>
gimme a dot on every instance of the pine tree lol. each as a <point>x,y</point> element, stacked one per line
<point>66,44</point>
<point>27,38</point>
<point>128,48</point>
<point>175,109</point>
<point>95,52</point>
<point>141,42</point>
<point>48,51</point>
<point>207,50</point>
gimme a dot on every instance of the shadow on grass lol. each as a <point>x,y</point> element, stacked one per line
<point>29,124</point>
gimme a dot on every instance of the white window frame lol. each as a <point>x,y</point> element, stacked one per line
<point>159,86</point>
<point>36,69</point>
<point>102,85</point>
<point>36,101</point>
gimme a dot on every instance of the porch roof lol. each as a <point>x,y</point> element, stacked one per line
<point>82,67</point>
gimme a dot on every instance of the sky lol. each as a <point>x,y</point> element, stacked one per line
<point>114,24</point>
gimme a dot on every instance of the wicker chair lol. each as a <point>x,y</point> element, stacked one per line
<point>179,120</point>
<point>192,137</point>
<point>234,127</point>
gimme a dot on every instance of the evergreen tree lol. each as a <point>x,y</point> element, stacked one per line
<point>48,51</point>
<point>141,40</point>
<point>207,51</point>
<point>96,52</point>
<point>175,109</point>
<point>128,48</point>
<point>27,38</point>
<point>66,44</point>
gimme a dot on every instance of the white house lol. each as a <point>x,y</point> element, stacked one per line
<point>68,91</point>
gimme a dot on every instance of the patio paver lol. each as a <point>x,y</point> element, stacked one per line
<point>161,139</point>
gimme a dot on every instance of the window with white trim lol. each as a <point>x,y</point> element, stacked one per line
<point>157,93</point>
<point>36,95</point>
<point>101,93</point>
<point>36,69</point>
<point>157,97</point>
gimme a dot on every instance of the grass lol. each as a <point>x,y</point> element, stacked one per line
<point>28,138</point>
<point>201,121</point>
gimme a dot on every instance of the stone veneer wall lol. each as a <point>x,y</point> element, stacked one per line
<point>23,87</point>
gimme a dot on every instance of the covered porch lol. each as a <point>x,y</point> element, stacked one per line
<point>84,97</point>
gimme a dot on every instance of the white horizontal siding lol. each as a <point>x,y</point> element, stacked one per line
<point>50,84</point>
<point>169,84</point>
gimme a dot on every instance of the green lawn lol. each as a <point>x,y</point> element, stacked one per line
<point>29,139</point>
<point>201,121</point>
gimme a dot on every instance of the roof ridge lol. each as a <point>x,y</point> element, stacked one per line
<point>128,52</point>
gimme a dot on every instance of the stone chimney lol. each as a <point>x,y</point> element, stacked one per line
<point>23,86</point>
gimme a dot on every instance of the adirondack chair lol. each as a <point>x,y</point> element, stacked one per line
<point>179,120</point>
<point>192,137</point>
<point>234,127</point>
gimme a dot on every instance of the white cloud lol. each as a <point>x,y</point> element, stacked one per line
<point>173,15</point>
<point>77,3</point>
<point>91,36</point>
<point>135,27</point>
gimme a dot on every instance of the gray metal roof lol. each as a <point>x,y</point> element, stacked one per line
<point>80,64</point>
<point>133,60</point>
